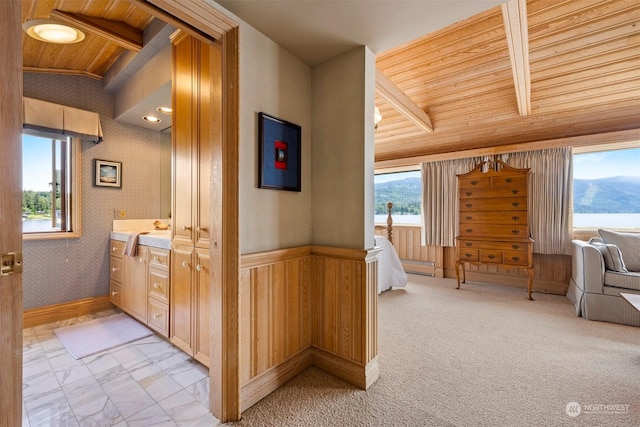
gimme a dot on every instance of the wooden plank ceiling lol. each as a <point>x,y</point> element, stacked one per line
<point>110,26</point>
<point>583,57</point>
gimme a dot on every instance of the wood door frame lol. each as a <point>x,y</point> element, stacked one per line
<point>224,377</point>
<point>224,385</point>
<point>11,219</point>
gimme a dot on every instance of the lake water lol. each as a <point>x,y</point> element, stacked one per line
<point>36,225</point>
<point>579,220</point>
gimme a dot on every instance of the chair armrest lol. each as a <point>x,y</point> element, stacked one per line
<point>587,267</point>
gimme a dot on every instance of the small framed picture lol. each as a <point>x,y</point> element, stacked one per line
<point>280,154</point>
<point>108,174</point>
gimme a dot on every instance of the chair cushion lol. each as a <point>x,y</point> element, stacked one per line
<point>629,244</point>
<point>612,257</point>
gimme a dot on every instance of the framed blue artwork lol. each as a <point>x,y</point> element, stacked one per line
<point>280,153</point>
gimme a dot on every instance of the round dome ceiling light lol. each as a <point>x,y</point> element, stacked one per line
<point>50,31</point>
<point>152,119</point>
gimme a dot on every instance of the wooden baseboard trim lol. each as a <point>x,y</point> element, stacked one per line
<point>264,384</point>
<point>54,313</point>
<point>356,373</point>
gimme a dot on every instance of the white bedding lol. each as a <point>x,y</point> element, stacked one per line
<point>390,271</point>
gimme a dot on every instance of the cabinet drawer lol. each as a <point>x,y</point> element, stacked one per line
<point>466,193</point>
<point>158,319</point>
<point>491,256</point>
<point>500,246</point>
<point>516,258</point>
<point>493,204</point>
<point>159,258</point>
<point>517,181</point>
<point>116,272</point>
<point>468,254</point>
<point>159,285</point>
<point>116,248</point>
<point>477,182</point>
<point>497,217</point>
<point>115,293</point>
<point>515,230</point>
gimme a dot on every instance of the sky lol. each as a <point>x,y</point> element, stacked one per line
<point>36,172</point>
<point>606,164</point>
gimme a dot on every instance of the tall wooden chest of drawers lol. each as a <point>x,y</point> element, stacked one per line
<point>493,219</point>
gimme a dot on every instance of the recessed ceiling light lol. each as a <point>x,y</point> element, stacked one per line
<point>50,31</point>
<point>152,119</point>
<point>164,110</point>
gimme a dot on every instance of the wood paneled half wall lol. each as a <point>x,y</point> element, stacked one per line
<point>306,306</point>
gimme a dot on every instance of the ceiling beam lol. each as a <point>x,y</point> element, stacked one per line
<point>116,32</point>
<point>388,91</point>
<point>514,14</point>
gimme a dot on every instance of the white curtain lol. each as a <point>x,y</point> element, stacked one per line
<point>550,198</point>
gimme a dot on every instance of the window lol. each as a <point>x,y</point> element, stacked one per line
<point>404,190</point>
<point>606,188</point>
<point>50,186</point>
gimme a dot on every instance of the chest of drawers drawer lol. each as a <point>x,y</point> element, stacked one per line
<point>501,246</point>
<point>516,230</point>
<point>159,258</point>
<point>493,217</point>
<point>477,193</point>
<point>117,269</point>
<point>494,204</point>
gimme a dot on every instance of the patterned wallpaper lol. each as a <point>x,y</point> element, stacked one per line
<point>63,270</point>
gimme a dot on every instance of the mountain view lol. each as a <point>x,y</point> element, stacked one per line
<point>619,194</point>
<point>405,194</point>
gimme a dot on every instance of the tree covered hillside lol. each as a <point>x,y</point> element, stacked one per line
<point>405,194</point>
<point>619,194</point>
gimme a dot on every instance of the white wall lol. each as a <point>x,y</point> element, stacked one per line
<point>277,83</point>
<point>343,152</point>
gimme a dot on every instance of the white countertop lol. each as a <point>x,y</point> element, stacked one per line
<point>156,239</point>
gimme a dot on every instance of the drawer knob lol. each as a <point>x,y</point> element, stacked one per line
<point>156,259</point>
<point>157,316</point>
<point>140,260</point>
<point>474,182</point>
<point>469,230</point>
<point>156,285</point>
<point>114,269</point>
<point>198,267</point>
<point>185,264</point>
<point>515,246</point>
<point>515,231</point>
<point>114,293</point>
<point>515,204</point>
<point>202,229</point>
<point>515,191</point>
<point>515,217</point>
<point>468,217</point>
<point>515,258</point>
<point>468,205</point>
<point>186,227</point>
<point>113,249</point>
<point>468,193</point>
<point>468,255</point>
<point>469,244</point>
<point>491,256</point>
<point>509,180</point>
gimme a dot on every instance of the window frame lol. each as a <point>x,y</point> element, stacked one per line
<point>397,218</point>
<point>585,233</point>
<point>74,167</point>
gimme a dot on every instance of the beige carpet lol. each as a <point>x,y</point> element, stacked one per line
<point>482,355</point>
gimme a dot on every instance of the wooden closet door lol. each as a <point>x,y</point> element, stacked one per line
<point>202,306</point>
<point>182,267</point>
<point>182,134</point>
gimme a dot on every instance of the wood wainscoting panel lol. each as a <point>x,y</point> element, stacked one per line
<point>274,310</point>
<point>415,257</point>
<point>299,302</point>
<point>54,313</point>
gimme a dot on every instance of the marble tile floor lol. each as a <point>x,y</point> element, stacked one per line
<point>147,382</point>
